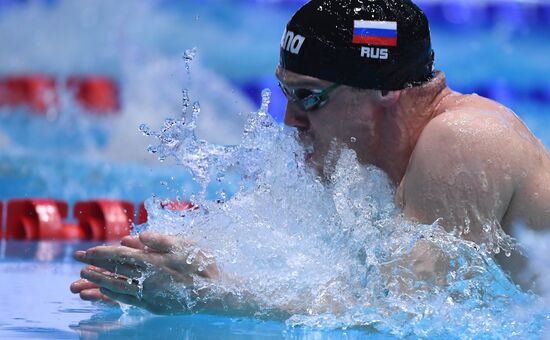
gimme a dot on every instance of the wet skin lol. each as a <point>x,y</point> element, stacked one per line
<point>463,159</point>
<point>162,257</point>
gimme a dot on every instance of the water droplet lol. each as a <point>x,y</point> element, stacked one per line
<point>184,102</point>
<point>168,123</point>
<point>266,99</point>
<point>144,129</point>
<point>353,139</point>
<point>196,107</point>
<point>188,56</point>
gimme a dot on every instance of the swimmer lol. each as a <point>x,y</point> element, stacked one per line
<point>360,75</point>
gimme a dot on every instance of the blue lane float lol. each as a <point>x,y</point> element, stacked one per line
<point>474,14</point>
<point>460,13</point>
<point>499,90</point>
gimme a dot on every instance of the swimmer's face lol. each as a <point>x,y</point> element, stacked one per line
<point>347,119</point>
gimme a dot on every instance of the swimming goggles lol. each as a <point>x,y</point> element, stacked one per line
<point>308,100</point>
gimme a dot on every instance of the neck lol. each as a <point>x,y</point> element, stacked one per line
<point>405,122</point>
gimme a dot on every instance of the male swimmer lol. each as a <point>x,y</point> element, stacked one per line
<point>359,75</point>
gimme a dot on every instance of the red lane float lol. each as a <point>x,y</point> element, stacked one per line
<point>173,205</point>
<point>104,220</point>
<point>73,232</point>
<point>36,219</point>
<point>97,220</point>
<point>37,92</point>
<point>97,94</point>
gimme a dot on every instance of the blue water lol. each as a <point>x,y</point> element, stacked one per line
<point>29,311</point>
<point>75,158</point>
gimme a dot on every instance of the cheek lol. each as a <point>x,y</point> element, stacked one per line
<point>346,119</point>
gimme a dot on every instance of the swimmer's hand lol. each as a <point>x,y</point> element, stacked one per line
<point>150,271</point>
<point>89,291</point>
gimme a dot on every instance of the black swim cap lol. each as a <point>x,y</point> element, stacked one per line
<point>369,44</point>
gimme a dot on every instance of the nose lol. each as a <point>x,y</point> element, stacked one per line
<point>295,118</point>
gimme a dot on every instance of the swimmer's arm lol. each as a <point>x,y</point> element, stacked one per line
<point>173,284</point>
<point>170,277</point>
<point>424,267</point>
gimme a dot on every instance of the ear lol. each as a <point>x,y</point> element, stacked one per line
<point>389,98</point>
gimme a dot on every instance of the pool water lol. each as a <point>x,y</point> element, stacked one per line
<point>40,306</point>
<point>75,157</point>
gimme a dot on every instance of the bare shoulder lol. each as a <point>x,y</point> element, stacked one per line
<point>465,165</point>
<point>481,134</point>
<point>483,126</point>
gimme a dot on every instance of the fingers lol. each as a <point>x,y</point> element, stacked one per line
<point>103,256</point>
<point>89,291</point>
<point>116,269</point>
<point>96,295</point>
<point>82,284</point>
<point>161,242</point>
<point>132,242</point>
<point>105,279</point>
<point>124,298</point>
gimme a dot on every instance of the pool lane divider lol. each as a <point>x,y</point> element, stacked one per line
<point>499,90</point>
<point>518,14</point>
<point>96,94</point>
<point>96,220</point>
<point>35,92</point>
<point>39,93</point>
<point>172,205</point>
<point>104,220</point>
<point>1,220</point>
<point>35,219</point>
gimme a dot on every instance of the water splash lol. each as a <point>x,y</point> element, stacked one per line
<point>331,255</point>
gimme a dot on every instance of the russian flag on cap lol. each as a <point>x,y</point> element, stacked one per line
<point>377,33</point>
